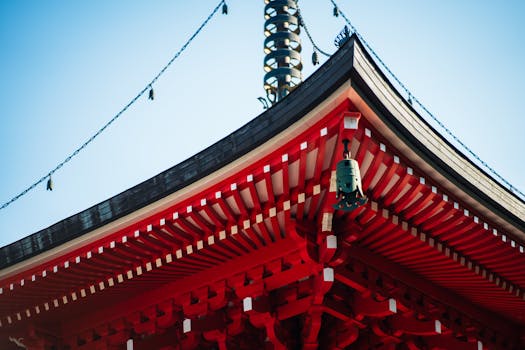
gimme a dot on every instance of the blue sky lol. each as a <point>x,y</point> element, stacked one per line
<point>68,67</point>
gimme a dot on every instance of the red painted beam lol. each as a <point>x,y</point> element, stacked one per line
<point>235,266</point>
<point>446,297</point>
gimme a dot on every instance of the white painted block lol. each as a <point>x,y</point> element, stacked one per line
<point>304,145</point>
<point>247,304</point>
<point>331,242</point>
<point>392,305</point>
<point>437,326</point>
<point>328,274</point>
<point>129,344</point>
<point>186,325</point>
<point>351,123</point>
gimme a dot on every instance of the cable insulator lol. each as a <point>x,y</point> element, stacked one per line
<point>282,46</point>
<point>49,185</point>
<point>336,11</point>
<point>315,58</point>
<point>151,94</point>
<point>224,9</point>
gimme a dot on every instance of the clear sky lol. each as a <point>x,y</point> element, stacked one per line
<point>67,67</point>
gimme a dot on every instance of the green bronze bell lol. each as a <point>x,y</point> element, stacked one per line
<point>348,181</point>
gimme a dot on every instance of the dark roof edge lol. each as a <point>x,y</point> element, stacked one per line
<point>419,148</point>
<point>299,102</point>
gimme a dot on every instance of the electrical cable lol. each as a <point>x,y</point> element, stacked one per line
<point>146,88</point>
<point>303,24</point>
<point>411,96</point>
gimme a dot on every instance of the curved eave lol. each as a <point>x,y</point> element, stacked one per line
<point>351,69</point>
<point>390,113</point>
<point>114,211</point>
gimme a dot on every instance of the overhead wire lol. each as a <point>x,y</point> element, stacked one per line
<point>412,98</point>
<point>148,87</point>
<point>302,23</point>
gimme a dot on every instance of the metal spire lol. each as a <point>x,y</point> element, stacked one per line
<point>282,47</point>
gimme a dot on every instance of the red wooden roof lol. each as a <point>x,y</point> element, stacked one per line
<point>438,235</point>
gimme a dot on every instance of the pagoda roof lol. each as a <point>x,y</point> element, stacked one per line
<point>352,65</point>
<point>438,235</point>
